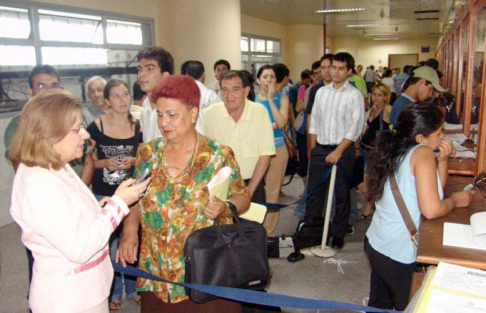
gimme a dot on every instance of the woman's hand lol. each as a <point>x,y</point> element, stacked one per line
<point>111,164</point>
<point>130,192</point>
<point>271,91</point>
<point>216,208</point>
<point>462,198</point>
<point>127,249</point>
<point>446,148</point>
<point>127,162</point>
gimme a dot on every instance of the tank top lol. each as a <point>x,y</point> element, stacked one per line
<point>277,133</point>
<point>105,182</point>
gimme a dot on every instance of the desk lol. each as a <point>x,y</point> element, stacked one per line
<point>431,250</point>
<point>463,166</point>
<point>460,166</point>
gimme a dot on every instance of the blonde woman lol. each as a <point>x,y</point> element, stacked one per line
<point>378,120</point>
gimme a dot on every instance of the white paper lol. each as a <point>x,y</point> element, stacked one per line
<point>456,137</point>
<point>467,236</point>
<point>452,126</point>
<point>464,154</point>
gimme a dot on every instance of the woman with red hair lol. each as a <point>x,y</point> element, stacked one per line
<point>182,163</point>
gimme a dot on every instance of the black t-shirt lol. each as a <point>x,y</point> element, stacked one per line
<point>105,182</point>
<point>312,96</point>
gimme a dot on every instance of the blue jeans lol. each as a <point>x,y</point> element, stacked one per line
<point>116,292</point>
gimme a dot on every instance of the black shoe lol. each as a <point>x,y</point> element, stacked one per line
<point>350,230</point>
<point>337,243</point>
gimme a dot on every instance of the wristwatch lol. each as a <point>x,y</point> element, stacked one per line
<point>232,207</point>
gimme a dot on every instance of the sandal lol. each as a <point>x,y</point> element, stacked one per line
<point>115,305</point>
<point>362,216</point>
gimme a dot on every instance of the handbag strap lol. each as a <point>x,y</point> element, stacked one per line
<point>402,207</point>
<point>381,119</point>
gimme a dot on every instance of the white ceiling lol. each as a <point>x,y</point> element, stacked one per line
<point>396,17</point>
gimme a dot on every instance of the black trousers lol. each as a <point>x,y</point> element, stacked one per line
<point>303,161</point>
<point>390,280</point>
<point>317,201</point>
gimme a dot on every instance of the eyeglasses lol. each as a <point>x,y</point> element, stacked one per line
<point>47,86</point>
<point>81,127</point>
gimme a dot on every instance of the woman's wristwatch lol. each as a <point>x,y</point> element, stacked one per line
<point>232,207</point>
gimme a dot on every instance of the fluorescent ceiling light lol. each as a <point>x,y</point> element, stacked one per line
<point>385,39</point>
<point>376,34</point>
<point>347,10</point>
<point>363,25</point>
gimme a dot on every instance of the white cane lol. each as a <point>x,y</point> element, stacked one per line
<point>323,251</point>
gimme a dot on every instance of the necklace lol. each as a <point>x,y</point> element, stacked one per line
<point>186,170</point>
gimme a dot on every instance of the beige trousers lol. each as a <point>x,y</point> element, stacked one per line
<point>273,184</point>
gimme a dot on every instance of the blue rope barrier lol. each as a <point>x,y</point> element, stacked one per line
<point>255,297</point>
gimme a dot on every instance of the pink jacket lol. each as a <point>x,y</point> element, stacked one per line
<point>67,232</point>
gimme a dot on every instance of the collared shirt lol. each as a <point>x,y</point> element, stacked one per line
<point>148,122</point>
<point>401,103</point>
<point>337,114</point>
<point>207,98</point>
<point>92,113</point>
<point>250,137</point>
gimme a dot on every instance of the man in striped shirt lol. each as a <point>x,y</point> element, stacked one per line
<point>336,123</point>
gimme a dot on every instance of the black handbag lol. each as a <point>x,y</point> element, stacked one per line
<point>233,255</point>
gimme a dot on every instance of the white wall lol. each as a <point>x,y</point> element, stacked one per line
<point>370,52</point>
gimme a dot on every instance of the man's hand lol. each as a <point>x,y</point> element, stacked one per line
<point>333,157</point>
<point>127,249</point>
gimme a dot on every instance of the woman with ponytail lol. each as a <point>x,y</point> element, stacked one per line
<point>408,152</point>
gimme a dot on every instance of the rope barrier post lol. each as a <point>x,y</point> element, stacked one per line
<point>323,251</point>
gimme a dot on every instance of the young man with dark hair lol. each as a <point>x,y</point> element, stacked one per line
<point>420,87</point>
<point>195,69</point>
<point>325,73</point>
<point>155,63</point>
<point>336,123</point>
<point>220,67</point>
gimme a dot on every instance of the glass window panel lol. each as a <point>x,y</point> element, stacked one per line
<point>244,44</point>
<point>478,65</point>
<point>73,56</point>
<point>273,46</point>
<point>257,45</point>
<point>17,55</point>
<point>121,32</point>
<point>67,27</point>
<point>14,23</point>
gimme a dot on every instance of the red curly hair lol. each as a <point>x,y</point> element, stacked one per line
<point>179,87</point>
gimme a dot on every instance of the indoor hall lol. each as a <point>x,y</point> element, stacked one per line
<point>89,38</point>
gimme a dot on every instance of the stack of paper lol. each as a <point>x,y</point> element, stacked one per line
<point>467,236</point>
<point>452,289</point>
<point>219,186</point>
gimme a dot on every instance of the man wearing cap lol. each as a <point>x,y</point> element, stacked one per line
<point>420,88</point>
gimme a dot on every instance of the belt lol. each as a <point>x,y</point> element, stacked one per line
<point>328,146</point>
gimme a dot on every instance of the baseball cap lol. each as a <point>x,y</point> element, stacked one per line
<point>429,74</point>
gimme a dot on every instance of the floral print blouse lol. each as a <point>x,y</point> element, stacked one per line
<point>173,208</point>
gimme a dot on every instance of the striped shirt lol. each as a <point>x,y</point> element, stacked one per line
<point>337,114</point>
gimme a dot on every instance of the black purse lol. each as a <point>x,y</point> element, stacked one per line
<point>233,255</point>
